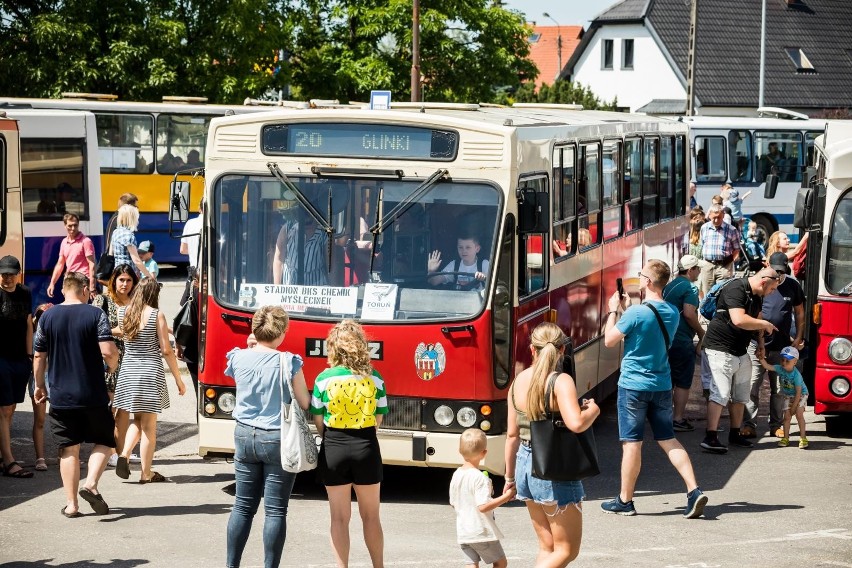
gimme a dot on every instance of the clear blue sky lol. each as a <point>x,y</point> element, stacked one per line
<point>566,12</point>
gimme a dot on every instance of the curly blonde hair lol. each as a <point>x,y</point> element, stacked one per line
<point>347,347</point>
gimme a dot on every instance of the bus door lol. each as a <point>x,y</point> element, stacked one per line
<point>533,262</point>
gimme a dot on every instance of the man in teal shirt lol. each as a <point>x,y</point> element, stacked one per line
<point>683,295</point>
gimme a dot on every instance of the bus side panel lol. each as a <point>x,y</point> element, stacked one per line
<point>836,317</point>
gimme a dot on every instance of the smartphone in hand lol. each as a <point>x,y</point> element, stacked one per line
<point>619,284</point>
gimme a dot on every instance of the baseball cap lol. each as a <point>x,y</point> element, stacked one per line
<point>687,261</point>
<point>146,246</point>
<point>10,265</point>
<point>778,261</point>
<point>790,353</point>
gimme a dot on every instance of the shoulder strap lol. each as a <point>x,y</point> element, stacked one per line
<point>660,321</point>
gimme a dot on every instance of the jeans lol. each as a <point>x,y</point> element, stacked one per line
<point>776,398</point>
<point>257,464</point>
<point>634,407</point>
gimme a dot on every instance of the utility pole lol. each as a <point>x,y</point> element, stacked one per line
<point>690,60</point>
<point>762,53</point>
<point>558,43</point>
<point>415,53</point>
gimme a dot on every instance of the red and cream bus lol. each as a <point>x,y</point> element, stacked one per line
<point>559,202</point>
<point>824,210</point>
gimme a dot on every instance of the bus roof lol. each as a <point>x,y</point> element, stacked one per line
<point>127,106</point>
<point>746,123</point>
<point>836,145</point>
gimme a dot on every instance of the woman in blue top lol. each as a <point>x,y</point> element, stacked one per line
<point>257,435</point>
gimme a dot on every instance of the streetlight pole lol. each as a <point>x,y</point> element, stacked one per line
<point>558,42</point>
<point>415,53</point>
<point>762,53</point>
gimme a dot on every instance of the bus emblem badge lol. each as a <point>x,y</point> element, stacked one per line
<point>429,360</point>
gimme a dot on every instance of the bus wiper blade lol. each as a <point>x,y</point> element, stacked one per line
<point>406,203</point>
<point>846,290</point>
<point>312,211</point>
<point>379,208</point>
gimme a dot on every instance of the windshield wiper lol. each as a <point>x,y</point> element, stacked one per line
<point>846,290</point>
<point>309,207</point>
<point>379,207</point>
<point>405,204</point>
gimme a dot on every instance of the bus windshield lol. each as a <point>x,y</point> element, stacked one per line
<point>839,263</point>
<point>430,261</point>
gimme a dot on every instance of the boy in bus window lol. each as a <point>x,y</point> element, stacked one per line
<point>466,273</point>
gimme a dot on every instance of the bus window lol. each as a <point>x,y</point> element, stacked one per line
<point>180,141</point>
<point>125,143</point>
<point>710,162</point>
<point>667,179</point>
<point>53,178</point>
<point>265,236</point>
<point>531,266</point>
<point>809,143</point>
<point>680,176</point>
<point>564,209</point>
<point>632,184</point>
<point>778,150</point>
<point>589,198</point>
<point>650,173</point>
<point>740,158</point>
<point>611,190</point>
<point>838,271</point>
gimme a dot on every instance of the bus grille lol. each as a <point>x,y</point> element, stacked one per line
<point>403,414</point>
<point>229,141</point>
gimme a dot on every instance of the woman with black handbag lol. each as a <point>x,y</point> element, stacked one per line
<point>555,507</point>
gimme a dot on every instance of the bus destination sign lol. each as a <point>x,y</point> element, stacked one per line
<point>360,140</point>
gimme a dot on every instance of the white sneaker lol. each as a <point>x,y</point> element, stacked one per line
<point>134,458</point>
<point>112,461</point>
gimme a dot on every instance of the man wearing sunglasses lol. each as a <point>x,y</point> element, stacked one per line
<point>738,320</point>
<point>779,308</point>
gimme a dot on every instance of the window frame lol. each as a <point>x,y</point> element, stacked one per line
<point>763,134</point>
<point>629,199</point>
<point>625,64</point>
<point>830,242</point>
<point>524,278</point>
<point>616,204</point>
<point>666,191</point>
<point>733,158</point>
<point>706,177</point>
<point>168,148</point>
<point>607,49</point>
<point>583,190</point>
<point>564,217</point>
<point>152,148</point>
<point>655,182</point>
<point>78,143</point>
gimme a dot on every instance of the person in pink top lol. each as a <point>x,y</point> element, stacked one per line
<point>76,252</point>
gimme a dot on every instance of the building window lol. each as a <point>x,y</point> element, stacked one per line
<point>627,54</point>
<point>606,63</point>
<point>800,60</point>
<point>534,37</point>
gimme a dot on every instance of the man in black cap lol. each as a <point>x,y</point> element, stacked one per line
<point>779,308</point>
<point>16,348</point>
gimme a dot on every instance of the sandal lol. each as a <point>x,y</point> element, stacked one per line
<point>122,468</point>
<point>155,478</point>
<point>41,465</point>
<point>96,500</point>
<point>73,515</point>
<point>19,473</point>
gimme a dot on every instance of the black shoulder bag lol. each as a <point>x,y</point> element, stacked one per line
<point>106,263</point>
<point>662,325</point>
<point>559,453</point>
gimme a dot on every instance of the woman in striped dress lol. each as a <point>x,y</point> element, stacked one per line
<point>141,387</point>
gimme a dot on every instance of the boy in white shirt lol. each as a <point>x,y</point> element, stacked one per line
<point>470,496</point>
<point>467,273</point>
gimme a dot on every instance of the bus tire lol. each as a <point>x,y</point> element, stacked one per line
<point>766,225</point>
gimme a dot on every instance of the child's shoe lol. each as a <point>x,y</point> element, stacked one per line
<point>803,442</point>
<point>783,442</point>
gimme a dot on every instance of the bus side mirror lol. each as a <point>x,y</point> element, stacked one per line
<point>179,202</point>
<point>533,211</point>
<point>771,186</point>
<point>809,175</point>
<point>804,206</point>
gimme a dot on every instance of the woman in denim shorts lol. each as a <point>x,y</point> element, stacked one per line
<point>555,507</point>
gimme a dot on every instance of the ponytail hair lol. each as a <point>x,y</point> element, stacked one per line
<point>548,340</point>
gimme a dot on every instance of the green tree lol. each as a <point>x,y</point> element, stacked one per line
<point>561,92</point>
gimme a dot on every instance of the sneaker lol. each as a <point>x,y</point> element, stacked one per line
<point>779,432</point>
<point>618,507</point>
<point>748,432</point>
<point>134,458</point>
<point>695,502</point>
<point>783,442</point>
<point>803,442</point>
<point>112,461</point>
<point>714,446</point>
<point>683,426</point>
<point>739,441</point>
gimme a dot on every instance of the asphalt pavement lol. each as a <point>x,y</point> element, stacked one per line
<point>769,506</point>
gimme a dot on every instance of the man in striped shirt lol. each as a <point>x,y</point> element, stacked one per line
<point>720,247</point>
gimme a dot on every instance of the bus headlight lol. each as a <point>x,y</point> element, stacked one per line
<point>466,416</point>
<point>210,408</point>
<point>840,350</point>
<point>227,402</point>
<point>839,386</point>
<point>485,425</point>
<point>444,415</point>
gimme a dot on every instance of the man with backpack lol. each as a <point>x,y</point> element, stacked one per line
<point>737,318</point>
<point>682,294</point>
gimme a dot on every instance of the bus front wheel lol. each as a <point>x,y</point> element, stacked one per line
<point>766,225</point>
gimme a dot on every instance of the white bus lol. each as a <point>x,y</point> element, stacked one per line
<point>11,217</point>
<point>742,151</point>
<point>59,174</point>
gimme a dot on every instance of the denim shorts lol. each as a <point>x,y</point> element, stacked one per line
<point>635,406</point>
<point>542,491</point>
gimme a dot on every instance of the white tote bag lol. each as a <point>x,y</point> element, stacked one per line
<point>298,449</point>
